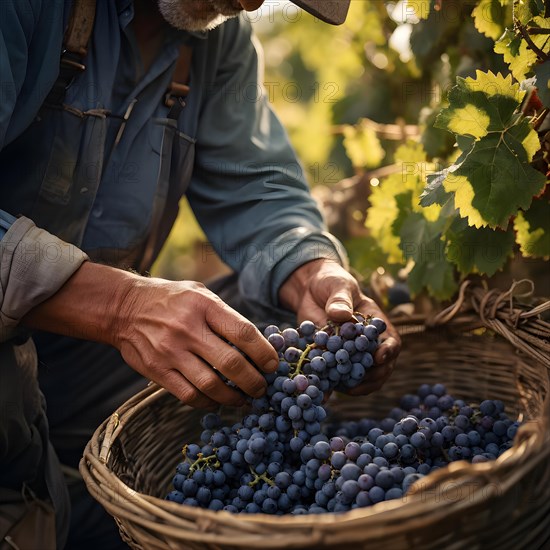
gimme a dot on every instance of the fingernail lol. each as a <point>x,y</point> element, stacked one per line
<point>272,365</point>
<point>384,357</point>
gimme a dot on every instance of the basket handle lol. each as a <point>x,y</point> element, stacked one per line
<point>503,313</point>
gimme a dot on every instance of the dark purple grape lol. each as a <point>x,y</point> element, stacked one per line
<point>271,329</point>
<point>277,341</point>
<point>291,336</point>
<point>347,331</point>
<point>380,324</point>
<point>307,328</point>
<point>334,343</point>
<point>321,338</point>
<point>371,332</point>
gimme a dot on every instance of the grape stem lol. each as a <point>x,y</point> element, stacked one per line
<point>204,460</point>
<point>258,477</point>
<point>303,359</point>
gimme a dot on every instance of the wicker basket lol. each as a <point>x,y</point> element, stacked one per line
<point>486,346</point>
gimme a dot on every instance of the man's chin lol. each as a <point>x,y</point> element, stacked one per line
<point>183,17</point>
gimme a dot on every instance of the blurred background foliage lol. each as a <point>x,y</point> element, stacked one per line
<point>358,101</point>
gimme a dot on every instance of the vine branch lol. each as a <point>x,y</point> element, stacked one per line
<point>523,31</point>
<point>537,30</point>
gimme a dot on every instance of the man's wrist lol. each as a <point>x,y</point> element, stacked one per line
<point>92,305</point>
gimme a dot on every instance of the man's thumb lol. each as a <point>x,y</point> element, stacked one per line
<point>339,306</point>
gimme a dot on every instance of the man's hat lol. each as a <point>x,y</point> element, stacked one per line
<point>330,11</point>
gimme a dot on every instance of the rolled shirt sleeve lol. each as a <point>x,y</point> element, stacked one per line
<point>248,189</point>
<point>34,265</point>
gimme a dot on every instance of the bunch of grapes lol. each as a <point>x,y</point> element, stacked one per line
<point>283,457</point>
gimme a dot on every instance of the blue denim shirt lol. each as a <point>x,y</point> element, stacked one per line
<point>246,188</point>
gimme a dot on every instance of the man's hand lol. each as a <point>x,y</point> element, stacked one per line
<point>323,289</point>
<point>175,333</point>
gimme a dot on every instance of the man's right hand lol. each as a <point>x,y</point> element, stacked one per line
<point>175,333</point>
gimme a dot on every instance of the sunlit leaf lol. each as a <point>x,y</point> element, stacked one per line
<point>533,230</point>
<point>363,146</point>
<point>494,178</point>
<point>491,17</point>
<point>381,215</point>
<point>517,53</point>
<point>525,10</point>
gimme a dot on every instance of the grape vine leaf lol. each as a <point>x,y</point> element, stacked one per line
<point>382,214</point>
<point>542,75</point>
<point>491,17</point>
<point>430,35</point>
<point>482,250</point>
<point>363,146</point>
<point>436,142</point>
<point>421,242</point>
<point>434,192</point>
<point>533,230</point>
<point>492,180</point>
<point>525,10</point>
<point>517,53</point>
<point>397,194</point>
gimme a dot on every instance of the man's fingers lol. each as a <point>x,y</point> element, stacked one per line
<point>178,385</point>
<point>203,377</point>
<point>387,351</point>
<point>233,366</point>
<point>232,326</point>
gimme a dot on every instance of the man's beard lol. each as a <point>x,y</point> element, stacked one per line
<point>198,15</point>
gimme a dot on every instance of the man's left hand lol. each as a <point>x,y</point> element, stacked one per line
<point>322,289</point>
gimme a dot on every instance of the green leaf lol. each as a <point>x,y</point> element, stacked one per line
<point>525,10</point>
<point>495,179</point>
<point>381,215</point>
<point>533,230</point>
<point>481,250</point>
<point>479,106</point>
<point>492,180</point>
<point>429,37</point>
<point>491,17</point>
<point>404,202</point>
<point>434,192</point>
<point>363,146</point>
<point>435,141</point>
<point>516,51</point>
<point>542,76</point>
<point>421,242</point>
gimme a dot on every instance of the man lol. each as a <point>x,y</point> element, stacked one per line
<point>93,167</point>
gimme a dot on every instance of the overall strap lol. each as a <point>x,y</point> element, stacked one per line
<point>167,198</point>
<point>75,47</point>
<point>178,88</point>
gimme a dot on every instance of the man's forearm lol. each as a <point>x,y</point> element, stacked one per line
<point>88,305</point>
